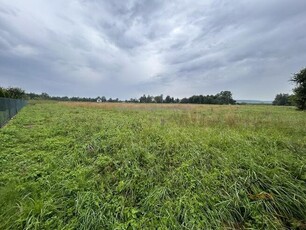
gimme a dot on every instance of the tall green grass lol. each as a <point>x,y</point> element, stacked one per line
<point>66,166</point>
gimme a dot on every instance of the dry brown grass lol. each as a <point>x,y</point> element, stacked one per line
<point>200,115</point>
<point>149,106</point>
<point>112,105</point>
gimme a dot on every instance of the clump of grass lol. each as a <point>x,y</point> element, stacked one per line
<point>118,166</point>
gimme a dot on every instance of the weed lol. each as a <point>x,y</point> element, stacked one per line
<point>139,166</point>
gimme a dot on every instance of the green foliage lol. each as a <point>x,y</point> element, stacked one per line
<point>300,89</point>
<point>64,166</point>
<point>45,96</point>
<point>11,92</point>
<point>159,99</point>
<point>103,99</point>
<point>169,99</point>
<point>146,99</point>
<point>15,93</point>
<point>282,99</point>
<point>2,92</point>
<point>224,97</point>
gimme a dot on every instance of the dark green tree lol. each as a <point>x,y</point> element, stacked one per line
<point>300,89</point>
<point>149,99</point>
<point>143,99</point>
<point>282,99</point>
<point>3,92</point>
<point>158,99</point>
<point>45,96</point>
<point>225,97</point>
<point>291,100</point>
<point>15,93</point>
<point>184,100</point>
<point>169,99</point>
<point>103,98</point>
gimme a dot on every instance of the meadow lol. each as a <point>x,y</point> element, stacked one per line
<point>152,166</point>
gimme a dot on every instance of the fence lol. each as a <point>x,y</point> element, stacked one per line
<point>9,108</point>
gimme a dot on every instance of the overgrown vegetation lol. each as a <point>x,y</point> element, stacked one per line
<point>12,92</point>
<point>134,166</point>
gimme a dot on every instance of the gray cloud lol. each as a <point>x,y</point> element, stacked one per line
<point>127,48</point>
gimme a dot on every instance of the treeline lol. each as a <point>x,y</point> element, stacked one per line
<point>284,99</point>
<point>45,96</point>
<point>11,92</point>
<point>297,99</point>
<point>224,97</point>
<point>18,93</point>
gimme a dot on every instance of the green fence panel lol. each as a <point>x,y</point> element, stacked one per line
<point>9,108</point>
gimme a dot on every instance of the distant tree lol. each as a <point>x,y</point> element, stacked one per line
<point>168,99</point>
<point>146,99</point>
<point>149,99</point>
<point>143,99</point>
<point>103,99</point>
<point>158,99</point>
<point>194,99</point>
<point>15,93</point>
<point>30,95</point>
<point>3,92</point>
<point>45,96</point>
<point>225,97</point>
<point>134,100</point>
<point>282,99</point>
<point>184,100</point>
<point>300,89</point>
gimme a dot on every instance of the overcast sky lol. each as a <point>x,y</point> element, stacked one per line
<point>126,48</point>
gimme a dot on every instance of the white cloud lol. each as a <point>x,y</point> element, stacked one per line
<point>126,48</point>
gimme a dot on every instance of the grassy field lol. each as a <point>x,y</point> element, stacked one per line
<point>124,166</point>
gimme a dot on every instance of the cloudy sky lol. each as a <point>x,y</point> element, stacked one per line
<point>126,48</point>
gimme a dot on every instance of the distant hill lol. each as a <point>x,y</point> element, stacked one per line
<point>254,102</point>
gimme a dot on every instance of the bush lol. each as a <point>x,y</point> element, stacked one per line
<point>300,89</point>
<point>11,92</point>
